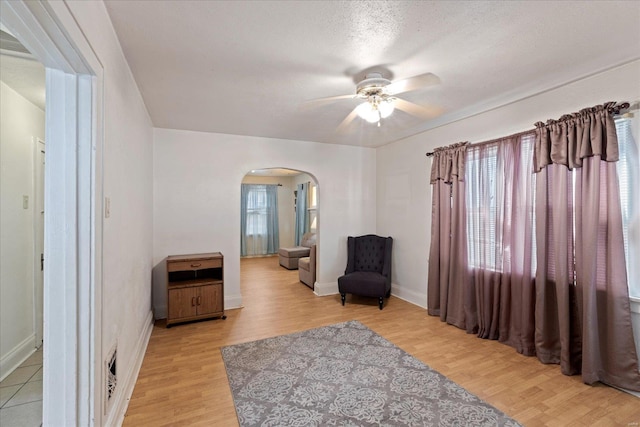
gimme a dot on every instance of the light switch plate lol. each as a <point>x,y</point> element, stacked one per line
<point>107,207</point>
<point>25,202</point>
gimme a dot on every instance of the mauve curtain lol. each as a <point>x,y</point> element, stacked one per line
<point>448,290</point>
<point>583,320</point>
<point>500,189</point>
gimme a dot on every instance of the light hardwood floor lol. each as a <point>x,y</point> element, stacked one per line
<point>183,381</point>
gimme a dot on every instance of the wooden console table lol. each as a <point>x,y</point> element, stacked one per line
<point>195,287</point>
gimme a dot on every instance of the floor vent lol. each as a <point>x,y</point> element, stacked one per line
<point>111,376</point>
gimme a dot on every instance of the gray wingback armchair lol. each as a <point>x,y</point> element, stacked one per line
<point>368,270</point>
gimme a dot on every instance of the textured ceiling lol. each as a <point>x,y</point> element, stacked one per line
<point>247,68</point>
<point>25,76</point>
<point>20,71</point>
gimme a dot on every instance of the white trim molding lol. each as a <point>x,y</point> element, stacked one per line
<point>232,301</point>
<point>16,356</point>
<point>410,296</point>
<point>324,289</point>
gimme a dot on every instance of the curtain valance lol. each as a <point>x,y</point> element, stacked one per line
<point>573,137</point>
<point>448,163</point>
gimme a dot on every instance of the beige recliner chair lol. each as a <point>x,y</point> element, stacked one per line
<point>289,257</point>
<point>307,268</point>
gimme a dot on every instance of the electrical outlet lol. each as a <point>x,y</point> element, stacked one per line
<point>107,207</point>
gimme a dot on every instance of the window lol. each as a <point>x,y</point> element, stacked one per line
<point>500,191</point>
<point>627,168</point>
<point>257,210</point>
<point>482,207</point>
<point>488,203</point>
<point>259,229</point>
<point>312,203</point>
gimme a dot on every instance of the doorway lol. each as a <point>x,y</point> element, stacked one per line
<point>21,228</point>
<point>72,383</point>
<point>297,210</point>
<point>38,238</point>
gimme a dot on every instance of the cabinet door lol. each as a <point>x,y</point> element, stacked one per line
<point>182,302</point>
<point>210,300</point>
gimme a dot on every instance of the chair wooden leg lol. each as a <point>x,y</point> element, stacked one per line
<point>380,301</point>
<point>343,297</point>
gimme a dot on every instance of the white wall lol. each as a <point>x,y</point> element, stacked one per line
<point>22,122</point>
<point>196,199</point>
<point>403,190</point>
<point>286,214</point>
<point>127,180</point>
<point>301,179</point>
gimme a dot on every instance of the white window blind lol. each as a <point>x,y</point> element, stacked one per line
<point>627,168</point>
<point>482,209</point>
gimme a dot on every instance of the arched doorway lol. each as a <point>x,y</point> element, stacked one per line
<point>297,211</point>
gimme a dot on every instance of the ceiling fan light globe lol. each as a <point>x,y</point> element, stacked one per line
<point>374,117</point>
<point>364,109</point>
<point>368,112</point>
<point>386,109</point>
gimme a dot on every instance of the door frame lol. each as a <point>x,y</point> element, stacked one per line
<point>38,238</point>
<point>73,380</point>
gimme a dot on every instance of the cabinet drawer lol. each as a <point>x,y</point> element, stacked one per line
<point>198,264</point>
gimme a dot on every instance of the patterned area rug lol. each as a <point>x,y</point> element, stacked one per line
<point>345,375</point>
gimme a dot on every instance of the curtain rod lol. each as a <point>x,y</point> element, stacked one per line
<point>614,110</point>
<point>279,185</point>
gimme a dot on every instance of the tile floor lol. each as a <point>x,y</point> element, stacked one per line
<point>21,394</point>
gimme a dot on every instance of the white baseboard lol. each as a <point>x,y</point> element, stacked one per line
<point>115,417</point>
<point>409,295</point>
<point>323,289</point>
<point>331,288</point>
<point>232,301</point>
<point>14,358</point>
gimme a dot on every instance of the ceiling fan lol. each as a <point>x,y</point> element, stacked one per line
<point>380,100</point>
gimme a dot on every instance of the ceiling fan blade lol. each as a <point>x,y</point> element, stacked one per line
<point>344,126</point>
<point>417,110</point>
<point>322,101</point>
<point>412,83</point>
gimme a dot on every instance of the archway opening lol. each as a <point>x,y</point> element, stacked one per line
<point>279,211</point>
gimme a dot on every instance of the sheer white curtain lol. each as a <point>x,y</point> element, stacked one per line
<point>259,234</point>
<point>500,228</point>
